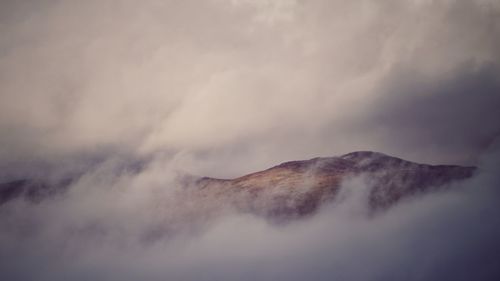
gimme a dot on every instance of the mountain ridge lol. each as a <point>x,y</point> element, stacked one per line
<point>297,188</point>
<point>294,188</point>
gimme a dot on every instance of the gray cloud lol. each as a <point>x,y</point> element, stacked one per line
<point>104,229</point>
<point>252,82</point>
<point>452,118</point>
<point>222,88</point>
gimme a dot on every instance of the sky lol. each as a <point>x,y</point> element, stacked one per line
<point>230,87</point>
<point>222,88</point>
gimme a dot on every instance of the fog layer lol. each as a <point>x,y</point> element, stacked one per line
<point>222,88</point>
<point>132,226</point>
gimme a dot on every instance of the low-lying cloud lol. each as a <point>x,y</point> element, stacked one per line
<point>129,226</point>
<point>225,87</point>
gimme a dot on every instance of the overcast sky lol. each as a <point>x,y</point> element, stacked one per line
<point>228,87</point>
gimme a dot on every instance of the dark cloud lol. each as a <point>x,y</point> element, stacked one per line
<point>452,117</point>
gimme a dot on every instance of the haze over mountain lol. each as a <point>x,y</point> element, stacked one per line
<point>299,187</point>
<point>291,189</point>
<point>142,140</point>
<point>332,212</point>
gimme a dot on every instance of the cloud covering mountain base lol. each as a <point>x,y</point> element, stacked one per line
<point>130,226</point>
<point>225,87</point>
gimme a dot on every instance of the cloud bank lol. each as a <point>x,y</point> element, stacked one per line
<point>250,82</point>
<point>140,226</point>
<point>226,87</point>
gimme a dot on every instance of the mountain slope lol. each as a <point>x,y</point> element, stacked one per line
<point>298,188</point>
<point>291,189</point>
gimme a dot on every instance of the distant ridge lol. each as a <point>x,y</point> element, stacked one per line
<point>294,188</point>
<point>297,188</point>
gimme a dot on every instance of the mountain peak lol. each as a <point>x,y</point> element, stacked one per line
<point>363,154</point>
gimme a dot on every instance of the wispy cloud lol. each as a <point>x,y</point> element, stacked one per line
<point>123,226</point>
<point>253,82</point>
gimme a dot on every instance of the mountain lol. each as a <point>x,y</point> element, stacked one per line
<point>296,188</point>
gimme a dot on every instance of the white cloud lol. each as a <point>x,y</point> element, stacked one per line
<point>198,77</point>
<point>125,226</point>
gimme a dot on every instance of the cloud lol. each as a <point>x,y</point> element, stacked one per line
<point>257,82</point>
<point>450,116</point>
<point>222,88</point>
<point>128,226</point>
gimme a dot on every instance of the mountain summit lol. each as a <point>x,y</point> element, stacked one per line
<point>298,188</point>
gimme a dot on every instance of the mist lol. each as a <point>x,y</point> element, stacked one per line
<point>126,96</point>
<point>131,226</point>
